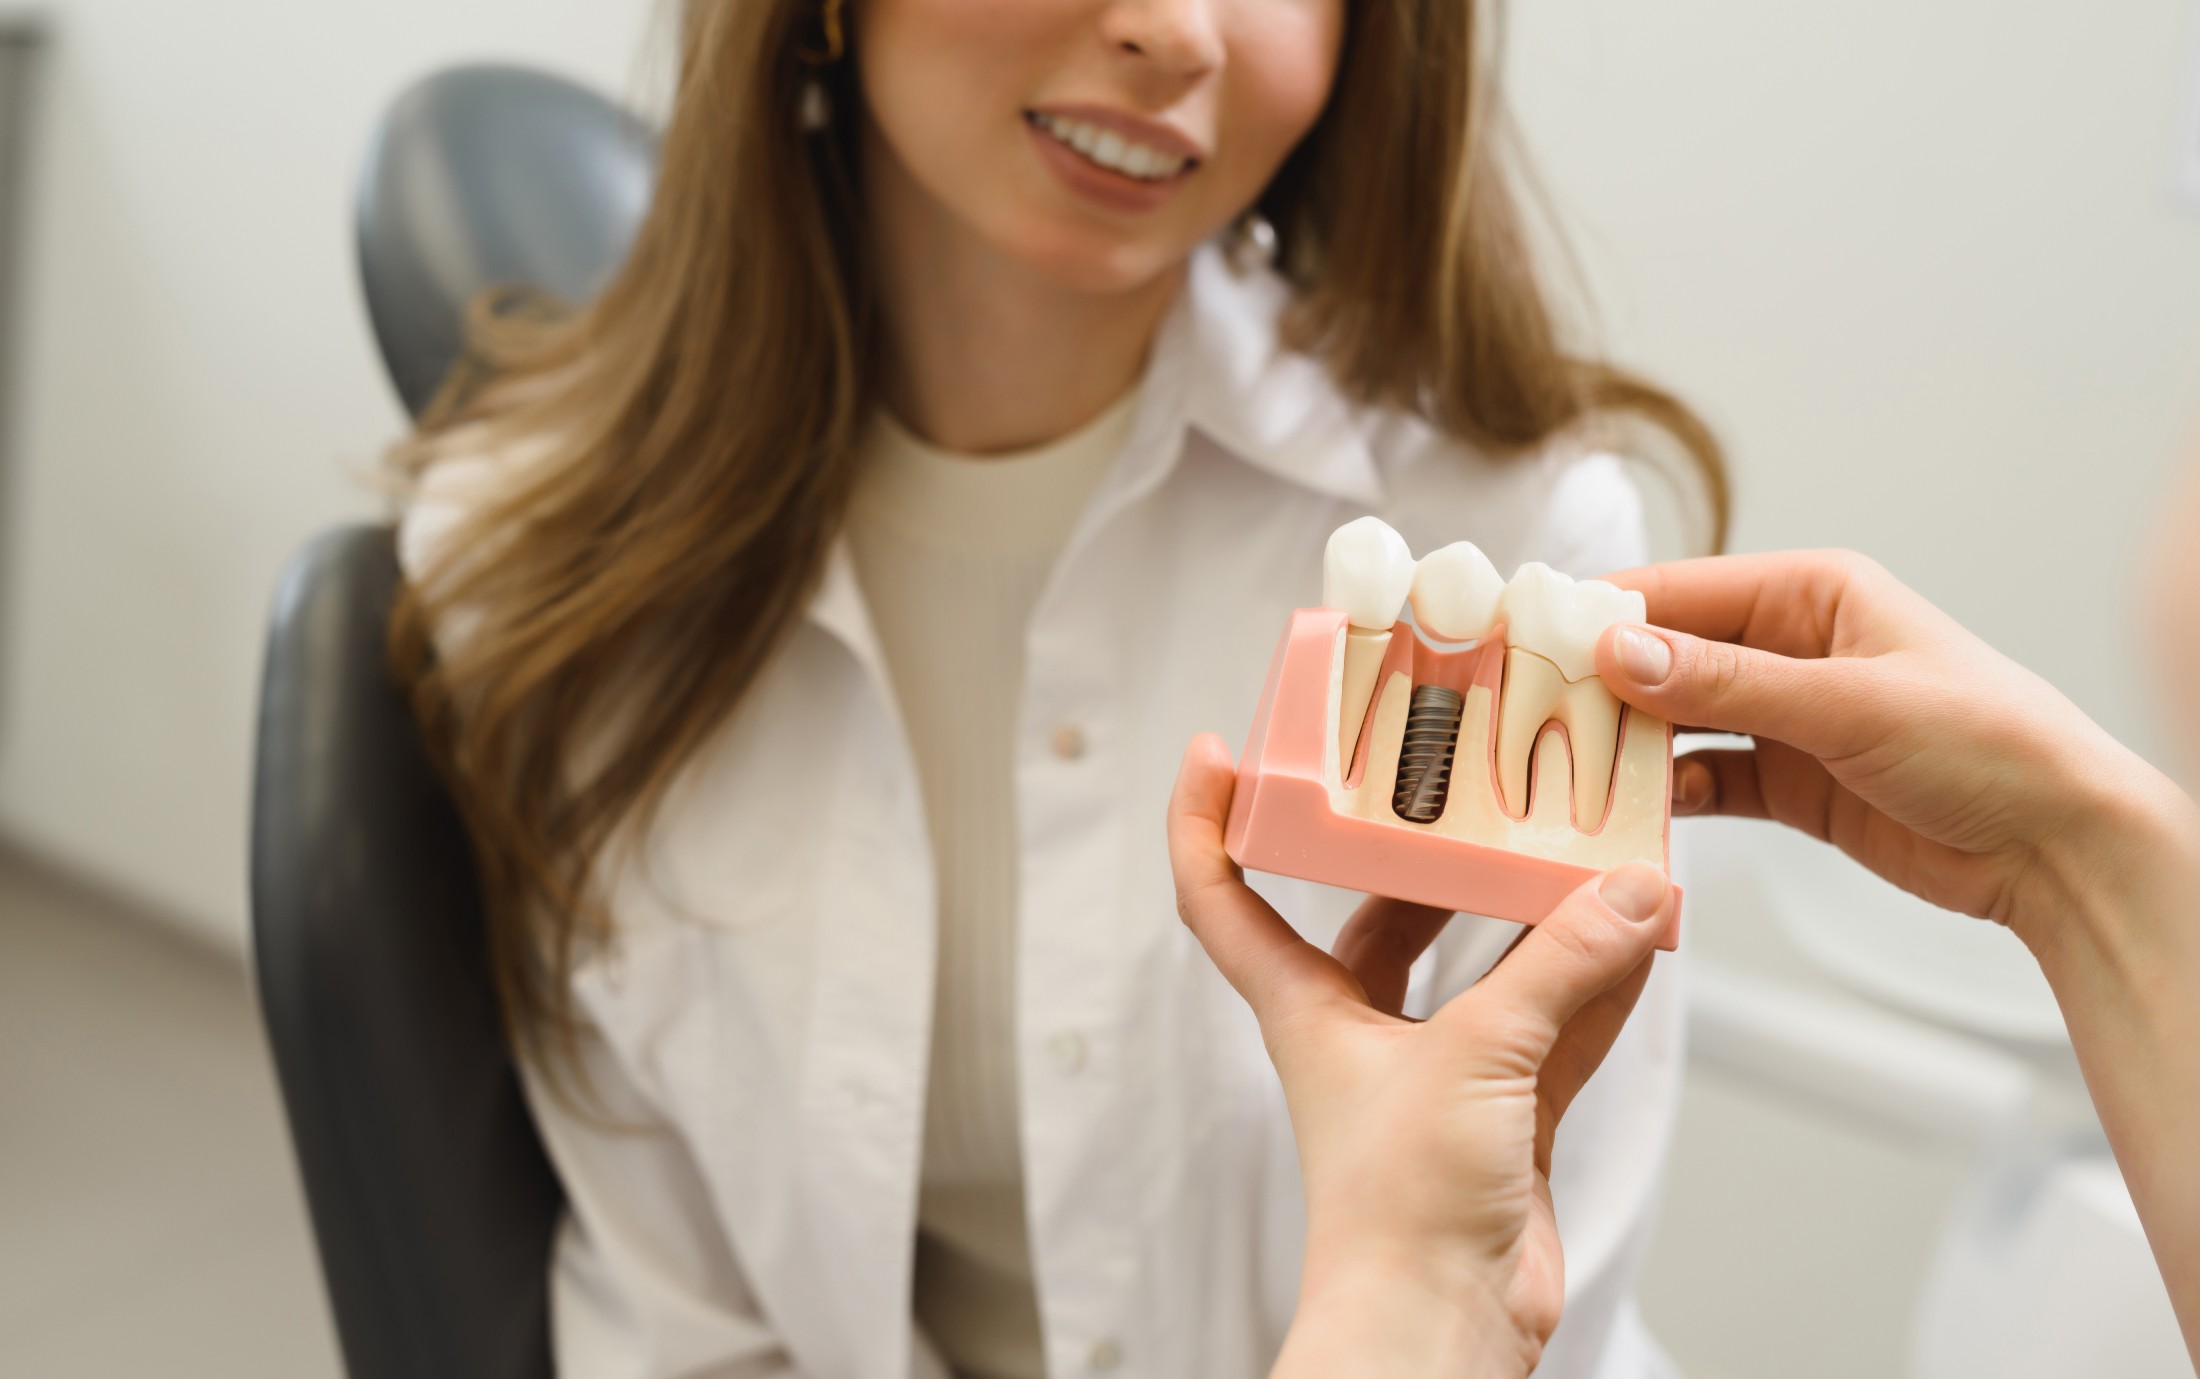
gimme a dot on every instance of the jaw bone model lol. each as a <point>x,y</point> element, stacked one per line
<point>1471,759</point>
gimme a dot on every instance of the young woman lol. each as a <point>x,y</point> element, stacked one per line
<point>817,616</point>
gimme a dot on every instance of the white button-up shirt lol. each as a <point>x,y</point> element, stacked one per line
<point>743,1190</point>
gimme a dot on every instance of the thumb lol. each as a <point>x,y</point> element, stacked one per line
<point>1813,705</point>
<point>1592,942</point>
<point>1273,968</point>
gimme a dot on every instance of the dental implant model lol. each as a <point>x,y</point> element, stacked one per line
<point>1471,759</point>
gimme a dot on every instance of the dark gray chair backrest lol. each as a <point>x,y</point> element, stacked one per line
<point>489,176</point>
<point>433,1204</point>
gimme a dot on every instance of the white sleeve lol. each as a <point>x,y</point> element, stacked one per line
<point>644,1284</point>
<point>1593,519</point>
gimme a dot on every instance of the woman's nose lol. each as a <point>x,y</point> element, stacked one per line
<point>1178,36</point>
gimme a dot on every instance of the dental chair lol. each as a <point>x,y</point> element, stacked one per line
<point>433,1205</point>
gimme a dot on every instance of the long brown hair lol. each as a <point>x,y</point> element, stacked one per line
<point>689,434</point>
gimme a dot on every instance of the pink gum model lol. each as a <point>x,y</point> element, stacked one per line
<point>1296,813</point>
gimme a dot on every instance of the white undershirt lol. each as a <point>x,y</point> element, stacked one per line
<point>952,552</point>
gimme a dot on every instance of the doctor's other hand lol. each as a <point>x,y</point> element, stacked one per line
<point>1884,727</point>
<point>1425,1146</point>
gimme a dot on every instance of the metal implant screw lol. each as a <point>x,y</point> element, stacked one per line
<point>1424,760</point>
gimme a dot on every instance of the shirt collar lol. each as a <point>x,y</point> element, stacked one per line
<point>1276,408</point>
<point>837,605</point>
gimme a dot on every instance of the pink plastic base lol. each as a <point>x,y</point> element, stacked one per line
<point>1281,820</point>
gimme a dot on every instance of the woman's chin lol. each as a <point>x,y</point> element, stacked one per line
<point>1097,260</point>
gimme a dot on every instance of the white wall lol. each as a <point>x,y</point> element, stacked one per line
<point>1920,263</point>
<point>201,393</point>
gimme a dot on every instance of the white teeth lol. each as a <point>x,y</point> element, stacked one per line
<point>1560,620</point>
<point>1367,572</point>
<point>1551,628</point>
<point>1456,592</point>
<point>1111,150</point>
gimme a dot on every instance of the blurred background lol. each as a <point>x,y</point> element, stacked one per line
<point>1931,267</point>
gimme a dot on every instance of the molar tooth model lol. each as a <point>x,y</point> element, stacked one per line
<point>1470,759</point>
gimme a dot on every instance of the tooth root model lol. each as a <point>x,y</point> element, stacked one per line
<point>1551,630</point>
<point>1366,573</point>
<point>1537,695</point>
<point>1470,759</point>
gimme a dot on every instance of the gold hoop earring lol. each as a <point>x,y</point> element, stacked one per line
<point>836,38</point>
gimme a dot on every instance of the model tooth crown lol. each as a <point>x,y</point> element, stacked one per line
<point>1456,593</point>
<point>1367,570</point>
<point>1560,619</point>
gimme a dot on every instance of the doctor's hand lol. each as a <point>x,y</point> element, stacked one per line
<point>1883,727</point>
<point>1425,1146</point>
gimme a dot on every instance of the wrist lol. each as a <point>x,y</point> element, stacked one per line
<point>2126,860</point>
<point>1380,1311</point>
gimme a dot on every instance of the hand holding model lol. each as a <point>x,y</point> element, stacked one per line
<point>1881,726</point>
<point>1885,728</point>
<point>1431,1246</point>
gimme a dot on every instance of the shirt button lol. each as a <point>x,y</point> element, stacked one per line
<point>1105,1356</point>
<point>1069,742</point>
<point>1068,1051</point>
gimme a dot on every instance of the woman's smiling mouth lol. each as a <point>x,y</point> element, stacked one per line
<point>1114,150</point>
<point>1111,150</point>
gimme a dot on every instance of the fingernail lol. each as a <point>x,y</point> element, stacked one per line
<point>1645,656</point>
<point>1634,892</point>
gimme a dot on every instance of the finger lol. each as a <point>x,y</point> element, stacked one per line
<point>1263,957</point>
<point>1583,948</point>
<point>1787,602</point>
<point>1380,943</point>
<point>1771,781</point>
<point>1695,788</point>
<point>1718,781</point>
<point>1579,1052</point>
<point>1825,707</point>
